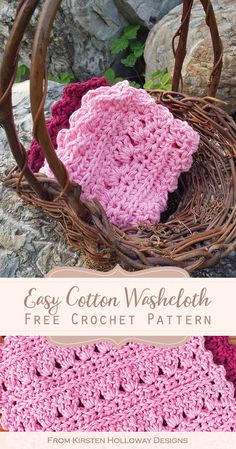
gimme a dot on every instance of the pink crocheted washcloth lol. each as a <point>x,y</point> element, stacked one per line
<point>224,354</point>
<point>102,388</point>
<point>60,114</point>
<point>127,151</point>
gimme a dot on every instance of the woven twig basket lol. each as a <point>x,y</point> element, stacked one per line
<point>199,226</point>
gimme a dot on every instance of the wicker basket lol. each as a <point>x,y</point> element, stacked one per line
<point>199,226</point>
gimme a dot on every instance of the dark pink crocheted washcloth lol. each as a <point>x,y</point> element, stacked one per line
<point>223,354</point>
<point>102,388</point>
<point>60,114</point>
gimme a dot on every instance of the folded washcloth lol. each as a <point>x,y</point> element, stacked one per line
<point>127,151</point>
<point>102,388</point>
<point>60,114</point>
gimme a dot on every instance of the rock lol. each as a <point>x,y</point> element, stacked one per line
<point>226,268</point>
<point>93,26</point>
<point>83,31</point>
<point>80,39</point>
<point>22,114</point>
<point>198,63</point>
<point>61,38</point>
<point>146,13</point>
<point>30,242</point>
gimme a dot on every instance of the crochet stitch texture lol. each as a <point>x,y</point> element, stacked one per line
<point>102,388</point>
<point>223,354</point>
<point>127,151</point>
<point>60,114</point>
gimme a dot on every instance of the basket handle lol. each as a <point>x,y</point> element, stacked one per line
<point>38,90</point>
<point>180,51</point>
<point>8,70</point>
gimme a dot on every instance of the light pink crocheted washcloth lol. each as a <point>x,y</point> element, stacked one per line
<point>127,151</point>
<point>102,388</point>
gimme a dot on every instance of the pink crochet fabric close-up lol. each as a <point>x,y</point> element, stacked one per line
<point>102,388</point>
<point>60,114</point>
<point>127,151</point>
<point>224,354</point>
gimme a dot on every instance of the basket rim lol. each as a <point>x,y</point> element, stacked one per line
<point>192,242</point>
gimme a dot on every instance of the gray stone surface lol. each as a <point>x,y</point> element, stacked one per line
<point>80,39</point>
<point>145,12</point>
<point>226,268</point>
<point>199,60</point>
<point>30,242</point>
<point>83,31</point>
<point>92,25</point>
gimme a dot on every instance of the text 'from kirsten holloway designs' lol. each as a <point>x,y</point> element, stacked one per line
<point>113,440</point>
<point>96,309</point>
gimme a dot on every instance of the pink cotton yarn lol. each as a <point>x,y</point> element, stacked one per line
<point>102,388</point>
<point>224,354</point>
<point>60,114</point>
<point>127,151</point>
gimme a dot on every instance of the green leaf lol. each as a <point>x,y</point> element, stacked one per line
<point>156,75</point>
<point>165,78</point>
<point>131,31</point>
<point>63,78</point>
<point>134,84</point>
<point>130,60</point>
<point>118,79</point>
<point>168,86</point>
<point>66,78</point>
<point>52,78</point>
<point>156,86</point>
<point>137,48</point>
<point>111,77</point>
<point>119,45</point>
<point>148,85</point>
<point>160,79</point>
<point>22,73</point>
